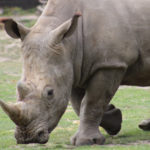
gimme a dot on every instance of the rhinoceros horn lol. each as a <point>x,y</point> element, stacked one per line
<point>23,90</point>
<point>14,111</point>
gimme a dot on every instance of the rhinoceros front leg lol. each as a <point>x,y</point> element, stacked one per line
<point>76,99</point>
<point>112,117</point>
<point>99,91</point>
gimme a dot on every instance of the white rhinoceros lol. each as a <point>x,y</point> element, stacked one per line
<point>83,58</point>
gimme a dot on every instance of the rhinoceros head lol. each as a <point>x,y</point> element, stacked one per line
<point>46,82</point>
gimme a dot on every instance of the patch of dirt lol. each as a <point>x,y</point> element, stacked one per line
<point>2,59</point>
<point>76,122</point>
<point>137,87</point>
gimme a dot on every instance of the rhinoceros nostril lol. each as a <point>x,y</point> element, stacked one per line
<point>40,134</point>
<point>42,137</point>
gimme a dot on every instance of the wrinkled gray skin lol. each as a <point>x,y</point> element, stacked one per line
<point>108,46</point>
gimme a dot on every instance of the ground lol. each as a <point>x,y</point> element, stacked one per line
<point>134,103</point>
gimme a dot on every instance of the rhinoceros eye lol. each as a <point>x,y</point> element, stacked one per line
<point>48,92</point>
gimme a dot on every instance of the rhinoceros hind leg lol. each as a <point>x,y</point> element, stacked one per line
<point>145,125</point>
<point>111,121</point>
<point>110,107</point>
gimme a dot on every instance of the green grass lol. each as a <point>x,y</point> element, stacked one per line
<point>28,23</point>
<point>133,102</point>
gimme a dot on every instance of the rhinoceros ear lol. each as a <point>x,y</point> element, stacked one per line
<point>14,29</point>
<point>66,29</point>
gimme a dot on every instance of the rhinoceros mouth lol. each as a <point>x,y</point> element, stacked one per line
<point>40,140</point>
<point>24,137</point>
<point>33,142</point>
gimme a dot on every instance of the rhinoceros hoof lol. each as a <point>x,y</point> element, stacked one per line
<point>80,139</point>
<point>145,125</point>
